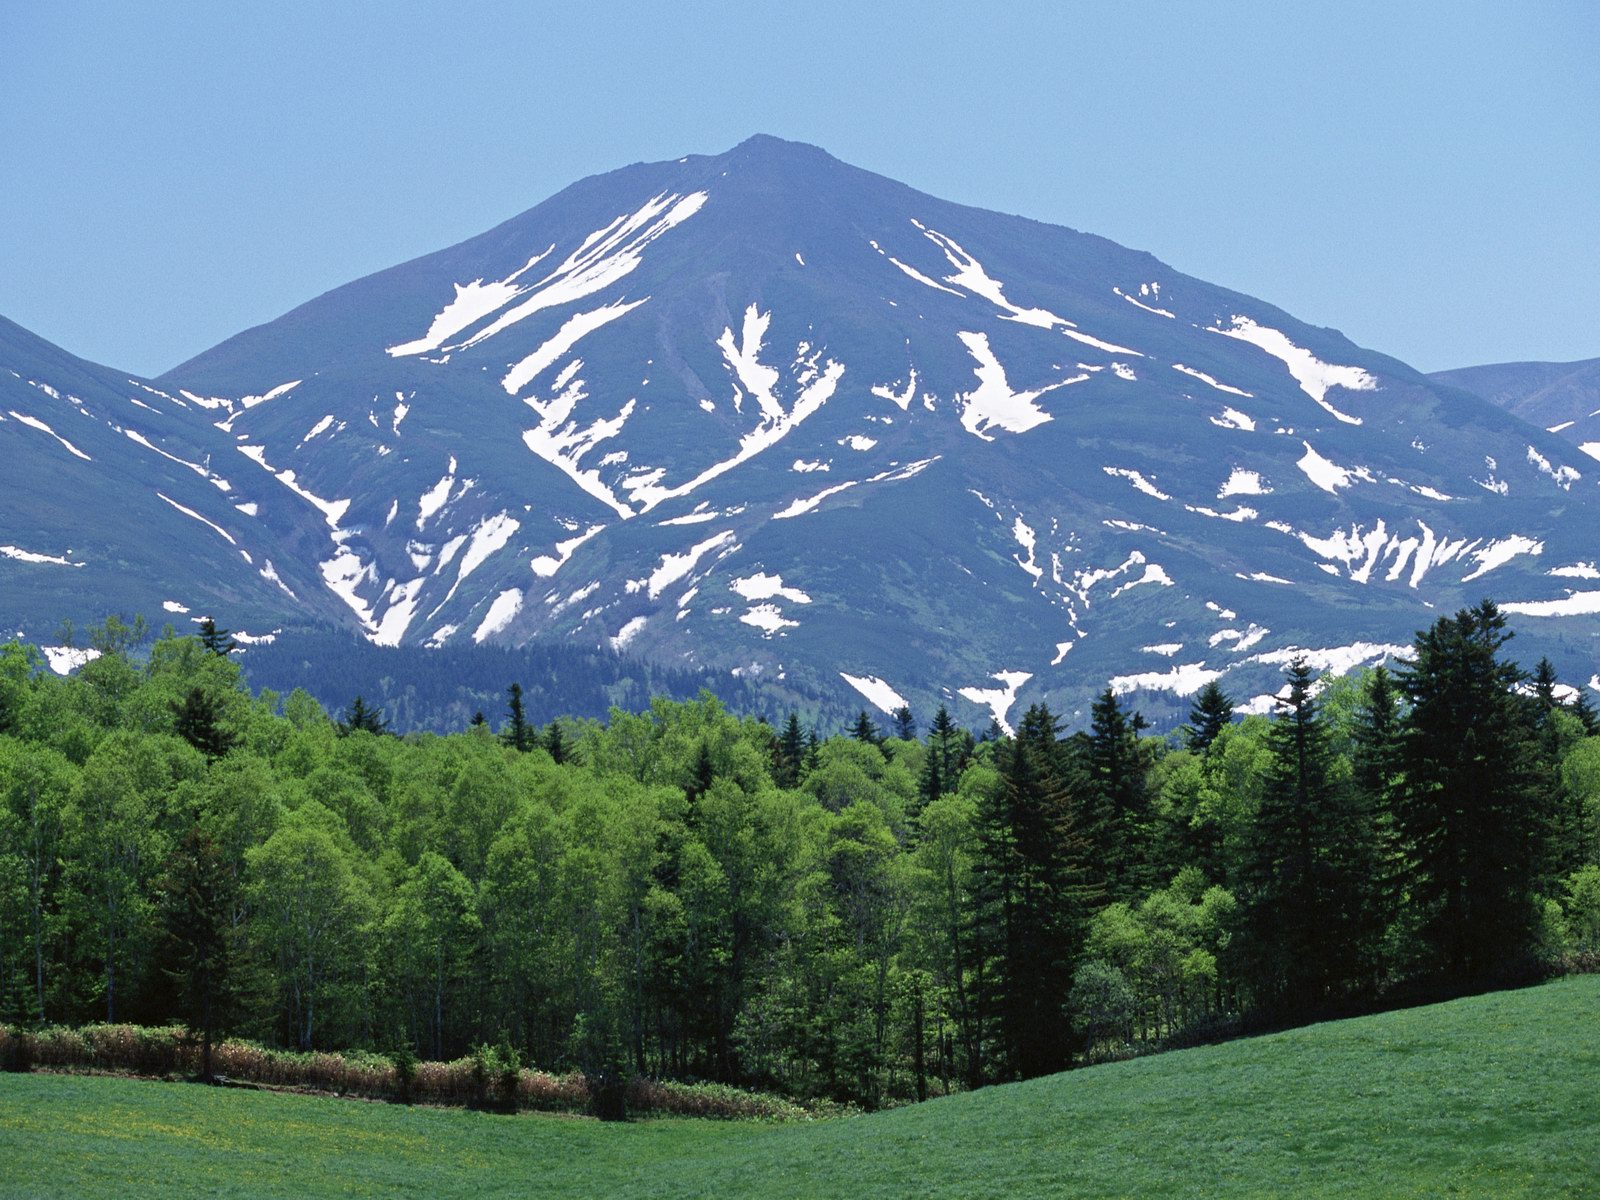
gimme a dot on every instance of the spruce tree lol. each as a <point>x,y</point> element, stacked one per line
<point>555,743</point>
<point>197,720</point>
<point>517,734</point>
<point>1470,827</point>
<point>905,726</point>
<point>361,717</point>
<point>1119,798</point>
<point>1033,894</point>
<point>1208,716</point>
<point>218,641</point>
<point>864,730</point>
<point>790,757</point>
<point>1308,867</point>
<point>1376,766</point>
<point>198,898</point>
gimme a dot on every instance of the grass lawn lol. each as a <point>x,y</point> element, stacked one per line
<point>1495,1096</point>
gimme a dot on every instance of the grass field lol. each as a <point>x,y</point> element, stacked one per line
<point>1495,1096</point>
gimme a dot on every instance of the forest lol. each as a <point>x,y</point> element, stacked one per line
<point>872,917</point>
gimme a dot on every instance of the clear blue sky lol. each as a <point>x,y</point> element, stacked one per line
<point>1424,176</point>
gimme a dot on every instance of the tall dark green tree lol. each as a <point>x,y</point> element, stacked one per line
<point>1034,889</point>
<point>517,734</point>
<point>198,721</point>
<point>1471,829</point>
<point>1119,798</point>
<point>905,726</point>
<point>1376,769</point>
<point>1208,716</point>
<point>864,730</point>
<point>198,897</point>
<point>555,743</point>
<point>789,758</point>
<point>1308,867</point>
<point>219,641</point>
<point>360,716</point>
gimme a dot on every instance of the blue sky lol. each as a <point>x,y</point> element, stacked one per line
<point>1424,176</point>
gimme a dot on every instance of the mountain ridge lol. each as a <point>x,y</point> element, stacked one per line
<point>791,420</point>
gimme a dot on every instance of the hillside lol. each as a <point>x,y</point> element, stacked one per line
<point>769,415</point>
<point>1490,1096</point>
<point>1562,398</point>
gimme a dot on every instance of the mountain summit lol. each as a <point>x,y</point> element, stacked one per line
<point>772,414</point>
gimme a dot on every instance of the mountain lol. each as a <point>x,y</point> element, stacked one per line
<point>769,414</point>
<point>1561,398</point>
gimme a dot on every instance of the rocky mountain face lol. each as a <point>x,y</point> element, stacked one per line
<point>770,415</point>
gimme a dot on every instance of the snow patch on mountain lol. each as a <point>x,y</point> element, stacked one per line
<point>36,423</point>
<point>674,567</point>
<point>501,613</point>
<point>999,700</point>
<point>546,565</point>
<point>878,693</point>
<point>31,556</point>
<point>1314,376</point>
<point>1207,379</point>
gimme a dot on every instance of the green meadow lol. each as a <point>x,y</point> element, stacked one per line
<point>1492,1096</point>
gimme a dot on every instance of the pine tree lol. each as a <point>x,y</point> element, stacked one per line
<point>905,727</point>
<point>1210,714</point>
<point>1119,799</point>
<point>218,641</point>
<point>197,902</point>
<point>702,775</point>
<point>478,719</point>
<point>197,721</point>
<point>931,784</point>
<point>813,755</point>
<point>1376,766</point>
<point>1033,893</point>
<point>361,717</point>
<point>517,734</point>
<point>555,743</point>
<point>865,731</point>
<point>1308,867</point>
<point>790,757</point>
<point>1469,824</point>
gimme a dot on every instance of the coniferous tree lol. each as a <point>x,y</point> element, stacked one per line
<point>905,726</point>
<point>1120,817</point>
<point>1470,827</point>
<point>702,775</point>
<point>517,734</point>
<point>1034,890</point>
<point>790,757</point>
<point>555,743</point>
<point>1308,866</point>
<point>360,716</point>
<point>197,720</point>
<point>864,730</point>
<point>478,719</point>
<point>813,755</point>
<point>198,898</point>
<point>1376,766</point>
<point>1210,714</point>
<point>931,784</point>
<point>218,641</point>
<point>942,741</point>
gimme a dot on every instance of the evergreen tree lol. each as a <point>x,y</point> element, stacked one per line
<point>905,727</point>
<point>864,730</point>
<point>1307,868</point>
<point>1033,892</point>
<point>517,734</point>
<point>1470,827</point>
<point>790,757</point>
<point>1583,708</point>
<point>555,743</point>
<point>813,755</point>
<point>942,741</point>
<point>218,641</point>
<point>702,775</point>
<point>931,784</point>
<point>478,719</point>
<point>361,717</point>
<point>1376,766</point>
<point>1210,714</point>
<point>198,898</point>
<point>197,720</point>
<point>1120,820</point>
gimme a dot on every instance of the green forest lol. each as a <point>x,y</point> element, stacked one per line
<point>870,917</point>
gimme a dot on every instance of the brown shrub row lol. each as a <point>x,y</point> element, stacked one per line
<point>471,1081</point>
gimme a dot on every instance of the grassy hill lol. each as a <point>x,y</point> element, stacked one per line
<point>1493,1096</point>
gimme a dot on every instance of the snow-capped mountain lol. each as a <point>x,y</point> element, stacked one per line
<point>1561,398</point>
<point>771,414</point>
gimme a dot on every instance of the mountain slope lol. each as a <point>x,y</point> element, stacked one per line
<point>1562,398</point>
<point>771,414</point>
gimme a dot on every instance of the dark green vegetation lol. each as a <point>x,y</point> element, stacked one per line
<point>1487,1097</point>
<point>679,894</point>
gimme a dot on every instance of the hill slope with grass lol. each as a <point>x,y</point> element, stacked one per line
<point>1487,1096</point>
